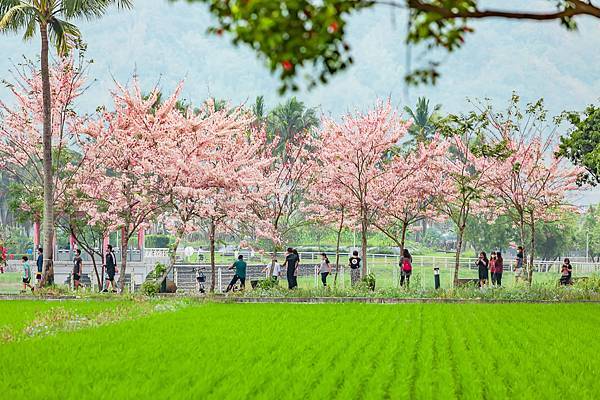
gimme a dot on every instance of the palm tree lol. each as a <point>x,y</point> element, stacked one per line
<point>51,18</point>
<point>290,119</point>
<point>424,122</point>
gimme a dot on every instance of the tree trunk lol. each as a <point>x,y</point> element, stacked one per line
<point>124,242</point>
<point>211,238</point>
<point>403,238</point>
<point>364,228</point>
<point>172,256</point>
<point>93,256</point>
<point>48,270</point>
<point>337,250</point>
<point>531,253</point>
<point>461,232</point>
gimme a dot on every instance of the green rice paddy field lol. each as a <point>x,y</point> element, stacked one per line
<point>188,350</point>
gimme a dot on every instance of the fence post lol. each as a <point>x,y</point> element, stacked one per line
<point>219,280</point>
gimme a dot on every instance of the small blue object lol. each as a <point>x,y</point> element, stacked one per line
<point>29,251</point>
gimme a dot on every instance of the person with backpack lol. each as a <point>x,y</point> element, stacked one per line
<point>27,275</point>
<point>519,264</point>
<point>324,268</point>
<point>110,265</point>
<point>405,268</point>
<point>354,263</point>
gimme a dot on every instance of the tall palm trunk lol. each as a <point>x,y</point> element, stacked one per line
<point>47,271</point>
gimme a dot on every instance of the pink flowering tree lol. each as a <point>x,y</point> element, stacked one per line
<point>353,155</point>
<point>126,149</point>
<point>533,184</point>
<point>220,181</point>
<point>327,205</point>
<point>468,174</point>
<point>419,176</point>
<point>21,144</point>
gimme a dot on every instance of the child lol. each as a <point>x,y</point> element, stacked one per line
<point>26,274</point>
<point>276,270</point>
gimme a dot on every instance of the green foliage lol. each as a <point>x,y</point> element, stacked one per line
<point>369,281</point>
<point>158,241</point>
<point>582,145</point>
<point>424,121</point>
<point>296,35</point>
<point>486,235</point>
<point>290,34</point>
<point>150,288</point>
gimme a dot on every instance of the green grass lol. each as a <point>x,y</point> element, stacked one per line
<point>338,351</point>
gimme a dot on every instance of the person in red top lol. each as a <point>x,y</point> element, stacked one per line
<point>406,267</point>
<point>493,267</point>
<point>499,268</point>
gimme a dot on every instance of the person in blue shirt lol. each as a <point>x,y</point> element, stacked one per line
<point>40,265</point>
<point>240,273</point>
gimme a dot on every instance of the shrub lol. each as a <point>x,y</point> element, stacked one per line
<point>158,241</point>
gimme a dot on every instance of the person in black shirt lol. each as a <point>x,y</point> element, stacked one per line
<point>354,263</point>
<point>482,266</point>
<point>110,264</point>
<point>566,272</point>
<point>291,262</point>
<point>77,269</point>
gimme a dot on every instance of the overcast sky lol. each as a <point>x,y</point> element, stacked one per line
<point>166,42</point>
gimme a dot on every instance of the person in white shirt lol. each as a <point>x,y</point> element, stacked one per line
<point>276,269</point>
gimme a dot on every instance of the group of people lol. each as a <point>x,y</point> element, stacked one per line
<point>26,270</point>
<point>491,268</point>
<point>110,264</point>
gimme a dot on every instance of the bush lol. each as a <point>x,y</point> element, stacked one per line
<point>158,241</point>
<point>369,281</point>
<point>149,288</point>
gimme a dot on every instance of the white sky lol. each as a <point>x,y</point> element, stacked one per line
<point>165,42</point>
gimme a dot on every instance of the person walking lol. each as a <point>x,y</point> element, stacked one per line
<point>40,265</point>
<point>77,269</point>
<point>110,265</point>
<point>27,275</point>
<point>482,266</point>
<point>566,272</point>
<point>324,268</point>
<point>240,273</point>
<point>498,269</point>
<point>519,264</point>
<point>492,268</point>
<point>354,263</point>
<point>291,264</point>
<point>405,268</point>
